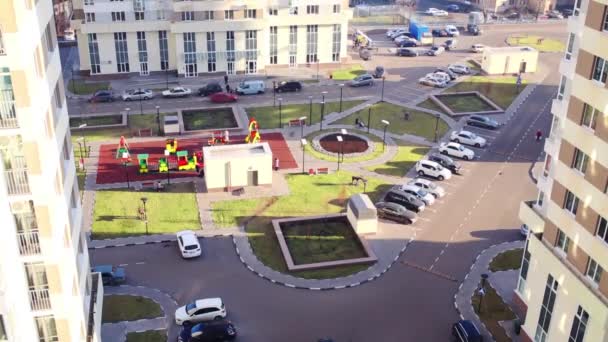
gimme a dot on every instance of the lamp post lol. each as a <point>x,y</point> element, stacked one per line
<point>322,115</point>
<point>382,96</point>
<point>280,111</point>
<point>344,133</point>
<point>369,117</point>
<point>386,123</point>
<point>304,143</point>
<point>128,110</point>
<point>274,93</point>
<point>436,126</point>
<point>339,137</point>
<point>341,87</point>
<point>317,68</point>
<point>310,110</point>
<point>158,118</point>
<point>167,154</point>
<point>125,163</point>
<point>302,121</point>
<point>141,108</point>
<point>81,159</point>
<point>144,200</point>
<point>167,76</point>
<point>482,290</point>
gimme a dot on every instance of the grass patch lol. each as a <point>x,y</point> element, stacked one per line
<point>508,260</point>
<point>493,310</point>
<point>405,159</point>
<point>136,122</point>
<point>309,81</point>
<point>420,123</point>
<point>464,103</point>
<point>349,73</point>
<point>502,90</point>
<point>116,211</point>
<point>430,104</point>
<point>118,308</point>
<point>268,117</point>
<point>318,195</point>
<point>216,118</point>
<point>147,336</point>
<point>318,155</point>
<point>96,120</point>
<point>80,87</point>
<point>539,43</point>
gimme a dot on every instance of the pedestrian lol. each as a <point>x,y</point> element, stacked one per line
<point>226,78</point>
<point>227,88</point>
<point>539,135</point>
<point>518,81</point>
<point>276,164</point>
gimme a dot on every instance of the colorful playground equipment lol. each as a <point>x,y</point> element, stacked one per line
<point>123,147</point>
<point>184,162</point>
<point>163,165</point>
<point>219,139</point>
<point>254,133</point>
<point>171,145</point>
<point>143,162</point>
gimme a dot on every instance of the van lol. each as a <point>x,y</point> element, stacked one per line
<point>250,88</point>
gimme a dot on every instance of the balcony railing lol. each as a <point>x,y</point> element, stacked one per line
<point>29,243</point>
<point>8,116</point>
<point>40,298</point>
<point>17,181</point>
<point>95,305</point>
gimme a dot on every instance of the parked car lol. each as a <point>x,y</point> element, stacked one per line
<point>440,13</point>
<point>467,138</point>
<point>445,75</point>
<point>410,202</point>
<point>420,193</point>
<point>395,212</point>
<point>102,96</point>
<point>452,31</point>
<point>407,52</point>
<point>365,54</point>
<point>452,8</point>
<point>177,92</point>
<point>137,94</point>
<point>555,15</point>
<point>402,35</point>
<point>378,72</point>
<point>435,51</point>
<point>433,82</point>
<point>450,44</point>
<point>466,331</point>
<point>567,12</point>
<point>430,11</point>
<point>524,230</point>
<point>287,86</point>
<point>251,88</point>
<point>439,33</point>
<point>459,68</point>
<point>447,71</point>
<point>477,48</point>
<point>456,150</point>
<point>390,33</point>
<point>482,122</point>
<point>408,43</point>
<point>212,331</point>
<point>362,80</point>
<point>223,97</point>
<point>201,310</point>
<point>110,275</point>
<point>445,161</point>
<point>429,186</point>
<point>188,244</point>
<point>69,35</point>
<point>433,169</point>
<point>474,29</point>
<point>210,88</point>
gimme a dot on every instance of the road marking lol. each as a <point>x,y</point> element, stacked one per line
<point>429,270</point>
<point>140,263</point>
<point>123,265</point>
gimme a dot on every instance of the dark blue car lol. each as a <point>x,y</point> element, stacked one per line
<point>407,43</point>
<point>218,330</point>
<point>102,96</point>
<point>466,331</point>
<point>110,275</point>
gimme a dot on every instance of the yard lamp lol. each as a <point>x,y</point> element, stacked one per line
<point>382,96</point>
<point>141,108</point>
<point>436,126</point>
<point>167,154</point>
<point>341,87</point>
<point>482,290</point>
<point>274,93</point>
<point>128,110</point>
<point>310,110</point>
<point>125,164</point>
<point>280,111</point>
<point>81,159</point>
<point>339,137</point>
<point>158,118</point>
<point>302,121</point>
<point>323,93</point>
<point>304,143</point>
<point>84,142</point>
<point>386,123</point>
<point>344,133</point>
<point>369,117</point>
<point>322,115</point>
<point>143,201</point>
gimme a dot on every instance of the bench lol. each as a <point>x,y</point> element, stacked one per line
<point>322,170</point>
<point>151,185</point>
<point>296,122</point>
<point>238,191</point>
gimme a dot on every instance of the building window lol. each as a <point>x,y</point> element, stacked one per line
<point>577,6</point>
<point>230,55</point>
<point>58,97</point>
<point>562,242</point>
<point>89,2</point>
<point>547,167</point>
<point>190,53</point>
<point>211,57</point>
<point>580,160</point>
<point>312,9</point>
<point>3,335</point>
<point>336,8</point>
<point>90,17</point>
<point>293,10</point>
<point>311,43</point>
<point>554,126</point>
<point>540,198</point>
<point>589,118</point>
<point>336,39</point>
<point>122,53</point>
<point>142,50</point>
<point>571,202</point>
<point>187,16</point>
<point>579,325</point>
<point>160,15</point>
<point>605,25</point>
<point>229,15</point>
<point>250,13</point>
<point>293,44</point>
<point>273,11</point>
<point>207,15</point>
<point>273,45</point>
<point>251,51</point>
<point>163,45</point>
<point>94,54</point>
<point>594,271</point>
<point>47,330</point>
<point>546,310</point>
<point>118,16</point>
<point>139,15</point>
<point>523,271</point>
<point>570,46</point>
<point>600,70</point>
<point>562,88</point>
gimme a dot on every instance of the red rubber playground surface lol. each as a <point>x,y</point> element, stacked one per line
<point>111,170</point>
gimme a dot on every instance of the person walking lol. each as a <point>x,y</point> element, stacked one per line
<point>226,79</point>
<point>276,164</point>
<point>539,135</point>
<point>228,88</point>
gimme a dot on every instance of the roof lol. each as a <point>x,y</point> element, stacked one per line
<point>103,268</point>
<point>510,49</point>
<point>188,237</point>
<point>236,151</point>
<point>209,302</point>
<point>362,206</point>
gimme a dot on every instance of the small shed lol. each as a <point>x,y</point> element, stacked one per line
<point>228,167</point>
<point>171,125</point>
<point>362,215</point>
<point>509,60</point>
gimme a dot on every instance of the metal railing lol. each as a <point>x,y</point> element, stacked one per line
<point>93,307</point>
<point>8,115</point>
<point>29,243</point>
<point>40,298</point>
<point>17,181</point>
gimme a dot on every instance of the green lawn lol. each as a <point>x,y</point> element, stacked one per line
<point>268,117</point>
<point>116,211</point>
<point>420,123</point>
<point>96,120</point>
<point>118,308</point>
<point>147,336</point>
<point>493,310</point>
<point>502,90</point>
<point>318,155</point>
<point>136,122</point>
<point>309,195</point>
<point>508,260</point>
<point>546,45</point>
<point>399,165</point>
<point>430,104</point>
<point>464,103</point>
<point>348,73</point>
<point>215,118</point>
<point>80,87</point>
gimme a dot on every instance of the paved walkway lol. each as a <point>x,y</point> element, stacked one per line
<point>117,332</point>
<point>503,282</point>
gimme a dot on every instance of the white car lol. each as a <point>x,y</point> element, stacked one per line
<point>440,13</point>
<point>201,310</point>
<point>432,169</point>
<point>420,193</point>
<point>137,94</point>
<point>477,48</point>
<point>435,51</point>
<point>188,244</point>
<point>177,92</point>
<point>524,230</point>
<point>459,68</point>
<point>452,30</point>
<point>456,150</point>
<point>390,33</point>
<point>428,186</point>
<point>431,11</point>
<point>432,82</point>
<point>440,75</point>
<point>468,138</point>
<point>401,39</point>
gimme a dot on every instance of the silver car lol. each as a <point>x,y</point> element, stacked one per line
<point>362,80</point>
<point>137,94</point>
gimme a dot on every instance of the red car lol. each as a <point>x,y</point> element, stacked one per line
<point>223,97</point>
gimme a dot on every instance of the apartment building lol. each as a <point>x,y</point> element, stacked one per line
<point>563,283</point>
<point>47,292</point>
<point>203,37</point>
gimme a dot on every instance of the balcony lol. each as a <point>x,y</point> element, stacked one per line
<point>2,51</point>
<point>17,181</point>
<point>40,298</point>
<point>8,116</point>
<point>95,306</point>
<point>530,215</point>
<point>29,243</point>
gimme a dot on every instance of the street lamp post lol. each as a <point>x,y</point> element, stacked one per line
<point>382,96</point>
<point>125,163</point>
<point>341,87</point>
<point>80,160</point>
<point>344,133</point>
<point>158,118</point>
<point>167,76</point>
<point>317,69</point>
<point>280,112</point>
<point>274,93</point>
<point>341,141</point>
<point>369,117</point>
<point>310,110</point>
<point>128,110</point>
<point>167,154</point>
<point>304,143</point>
<point>141,108</point>
<point>322,115</point>
<point>84,142</point>
<point>386,123</point>
<point>482,290</point>
<point>302,122</point>
<point>436,126</point>
<point>144,200</point>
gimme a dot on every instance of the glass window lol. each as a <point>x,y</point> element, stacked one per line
<point>273,45</point>
<point>250,14</point>
<point>602,228</point>
<point>164,50</point>
<point>594,271</point>
<point>47,331</point>
<point>562,88</point>
<point>571,202</point>
<point>139,15</point>
<point>562,242</point>
<point>600,70</point>
<point>228,15</point>
<point>94,54</point>
<point>211,55</point>
<point>336,39</point>
<point>187,16</point>
<point>122,53</point>
<point>90,17</point>
<point>118,16</point>
<point>293,10</point>
<point>579,325</point>
<point>2,329</point>
<point>605,24</point>
<point>312,9</point>
<point>207,15</point>
<point>142,47</point>
<point>230,55</point>
<point>311,43</point>
<point>336,8</point>
<point>570,46</point>
<point>273,11</point>
<point>577,7</point>
<point>547,166</point>
<point>546,310</point>
<point>523,271</point>
<point>589,118</point>
<point>580,160</point>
